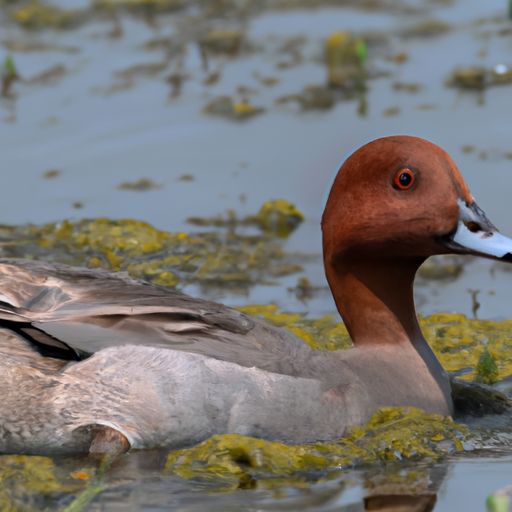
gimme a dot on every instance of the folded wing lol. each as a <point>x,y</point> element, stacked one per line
<point>70,313</point>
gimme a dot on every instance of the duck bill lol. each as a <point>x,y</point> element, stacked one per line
<point>476,234</point>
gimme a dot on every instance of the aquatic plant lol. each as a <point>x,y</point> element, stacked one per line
<point>140,6</point>
<point>238,110</point>
<point>218,41</point>
<point>232,461</point>
<point>345,56</point>
<point>39,15</point>
<point>29,481</point>
<point>276,217</point>
<point>487,369</point>
<point>8,75</point>
<point>209,259</point>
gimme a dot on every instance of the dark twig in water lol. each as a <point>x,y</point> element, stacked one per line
<point>475,305</point>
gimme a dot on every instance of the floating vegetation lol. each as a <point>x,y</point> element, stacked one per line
<point>345,56</point>
<point>427,28</point>
<point>324,333</point>
<point>225,106</point>
<point>227,42</point>
<point>8,75</point>
<point>398,58</point>
<point>501,500</point>
<point>411,87</point>
<point>139,185</point>
<point>312,97</point>
<point>146,69</point>
<point>278,217</point>
<point>51,174</point>
<point>49,76</point>
<point>392,434</point>
<point>469,78</point>
<point>478,350</point>
<point>38,15</point>
<point>28,482</point>
<point>487,369</point>
<point>304,290</point>
<point>443,267</point>
<point>391,111</point>
<point>229,260</point>
<point>145,7</point>
<point>479,78</point>
<point>459,343</point>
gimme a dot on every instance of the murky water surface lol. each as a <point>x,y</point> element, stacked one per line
<point>113,101</point>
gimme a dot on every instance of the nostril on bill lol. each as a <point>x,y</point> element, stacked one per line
<point>474,227</point>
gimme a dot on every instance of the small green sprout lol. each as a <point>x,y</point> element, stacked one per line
<point>486,369</point>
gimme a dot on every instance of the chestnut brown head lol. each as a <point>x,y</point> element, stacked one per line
<point>404,197</point>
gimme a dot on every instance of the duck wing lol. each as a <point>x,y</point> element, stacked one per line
<point>70,313</point>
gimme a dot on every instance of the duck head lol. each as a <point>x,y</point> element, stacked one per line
<point>395,202</point>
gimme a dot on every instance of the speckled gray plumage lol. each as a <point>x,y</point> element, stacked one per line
<point>170,370</point>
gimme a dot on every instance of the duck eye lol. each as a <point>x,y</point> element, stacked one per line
<point>404,179</point>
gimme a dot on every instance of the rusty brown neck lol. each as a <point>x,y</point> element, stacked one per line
<point>375,298</point>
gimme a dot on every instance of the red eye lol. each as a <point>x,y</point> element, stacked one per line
<point>404,179</point>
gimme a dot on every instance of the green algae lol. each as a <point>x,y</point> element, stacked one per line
<point>448,334</point>
<point>51,174</point>
<point>427,28</point>
<point>392,434</point>
<point>140,6</point>
<point>479,78</point>
<point>28,481</point>
<point>458,342</point>
<point>276,217</point>
<point>209,259</point>
<point>345,57</point>
<point>38,15</point>
<point>8,75</point>
<point>478,350</point>
<point>230,108</point>
<point>486,369</point>
<point>324,333</point>
<point>227,42</point>
<point>140,185</point>
<point>312,97</point>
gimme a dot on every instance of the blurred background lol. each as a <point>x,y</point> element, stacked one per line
<point>163,110</point>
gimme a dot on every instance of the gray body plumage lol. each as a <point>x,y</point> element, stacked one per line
<point>80,348</point>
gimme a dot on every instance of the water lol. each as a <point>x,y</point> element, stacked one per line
<point>98,138</point>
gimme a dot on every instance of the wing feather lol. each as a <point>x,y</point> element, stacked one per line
<point>86,310</point>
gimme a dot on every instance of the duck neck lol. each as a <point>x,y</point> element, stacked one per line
<point>375,299</point>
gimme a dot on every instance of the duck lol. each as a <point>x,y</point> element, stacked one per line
<point>93,361</point>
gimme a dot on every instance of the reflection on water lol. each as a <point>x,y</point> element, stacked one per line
<point>456,485</point>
